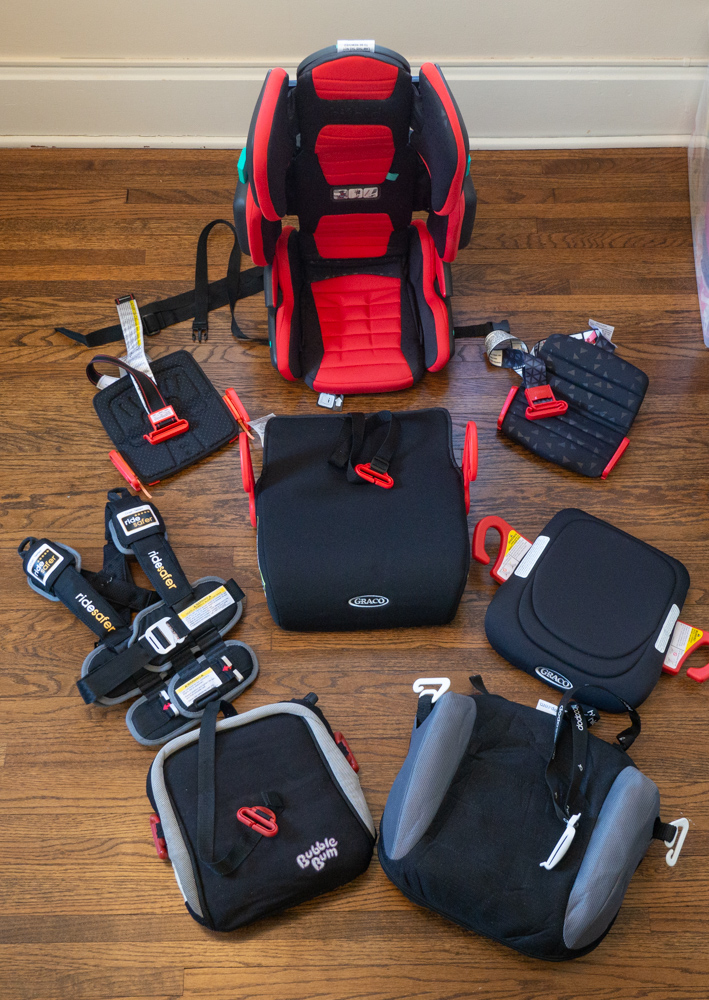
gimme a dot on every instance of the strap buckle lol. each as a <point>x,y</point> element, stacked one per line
<point>167,632</point>
<point>259,818</point>
<point>345,747</point>
<point>543,403</point>
<point>370,475</point>
<point>166,424</point>
<point>158,839</point>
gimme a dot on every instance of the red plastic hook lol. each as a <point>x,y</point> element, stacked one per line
<point>689,639</point>
<point>513,547</point>
<point>470,460</point>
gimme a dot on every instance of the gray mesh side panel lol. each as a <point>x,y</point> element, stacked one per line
<point>179,856</point>
<point>436,749</point>
<point>622,835</point>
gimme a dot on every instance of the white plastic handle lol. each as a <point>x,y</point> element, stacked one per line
<point>562,844</point>
<point>677,841</point>
<point>421,689</point>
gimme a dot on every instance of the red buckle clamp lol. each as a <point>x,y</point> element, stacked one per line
<point>159,841</point>
<point>260,819</point>
<point>166,424</point>
<point>350,757</point>
<point>543,403</point>
<point>371,475</point>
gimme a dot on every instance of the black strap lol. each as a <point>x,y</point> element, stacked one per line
<point>481,329</point>
<point>567,765</point>
<point>663,831</point>
<point>246,838</point>
<point>351,440</point>
<point>192,304</point>
<point>478,683</point>
<point>153,398</point>
<point>113,671</point>
<point>628,736</point>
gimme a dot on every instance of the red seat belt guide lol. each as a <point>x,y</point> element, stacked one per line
<point>513,547</point>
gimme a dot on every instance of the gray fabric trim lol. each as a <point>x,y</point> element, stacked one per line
<point>435,752</point>
<point>154,668</point>
<point>622,835</point>
<point>176,848</point>
<point>191,718</point>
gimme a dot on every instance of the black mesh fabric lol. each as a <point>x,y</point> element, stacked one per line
<point>591,610</point>
<point>277,755</point>
<point>479,862</point>
<point>324,541</point>
<point>604,394</point>
<point>185,387</point>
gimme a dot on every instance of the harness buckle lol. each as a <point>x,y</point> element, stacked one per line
<point>543,403</point>
<point>166,424</point>
<point>345,747</point>
<point>165,629</point>
<point>259,818</point>
<point>370,475</point>
<point>158,839</point>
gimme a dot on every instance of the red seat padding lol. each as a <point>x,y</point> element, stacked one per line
<point>354,78</point>
<point>363,235</point>
<point>360,324</point>
<point>355,154</point>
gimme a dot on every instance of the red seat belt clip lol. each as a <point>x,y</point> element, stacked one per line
<point>370,475</point>
<point>166,424</point>
<point>158,839</point>
<point>238,411</point>
<point>684,641</point>
<point>345,747</point>
<point>543,403</point>
<point>513,547</point>
<point>260,819</point>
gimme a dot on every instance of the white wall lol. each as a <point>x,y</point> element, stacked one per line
<point>526,72</point>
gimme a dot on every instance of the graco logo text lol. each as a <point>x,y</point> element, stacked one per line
<point>552,677</point>
<point>368,601</point>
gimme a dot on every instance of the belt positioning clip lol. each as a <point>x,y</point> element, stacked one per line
<point>543,403</point>
<point>166,425</point>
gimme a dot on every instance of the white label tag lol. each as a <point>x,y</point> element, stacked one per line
<point>43,560</point>
<point>603,328</point>
<point>354,193</point>
<point>528,563</point>
<point>546,706</point>
<point>517,548</point>
<point>259,425</point>
<point>193,689</point>
<point>666,630</point>
<point>136,518</point>
<point>206,607</point>
<point>355,45</point>
<point>683,638</point>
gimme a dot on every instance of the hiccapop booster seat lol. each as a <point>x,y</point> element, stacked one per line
<point>359,296</point>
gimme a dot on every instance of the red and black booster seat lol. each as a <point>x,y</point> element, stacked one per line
<point>359,297</point>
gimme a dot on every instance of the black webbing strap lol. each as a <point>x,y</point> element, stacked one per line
<point>351,440</point>
<point>628,736</point>
<point>114,581</point>
<point>195,303</point>
<point>480,329</point>
<point>152,397</point>
<point>567,765</point>
<point>114,671</point>
<point>663,831</point>
<point>246,838</point>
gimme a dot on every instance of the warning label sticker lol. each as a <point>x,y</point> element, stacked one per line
<point>206,607</point>
<point>195,688</point>
<point>517,547</point>
<point>683,638</point>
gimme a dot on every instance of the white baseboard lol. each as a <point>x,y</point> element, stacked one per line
<point>521,105</point>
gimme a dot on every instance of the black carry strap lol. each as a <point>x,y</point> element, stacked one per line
<point>480,329</point>
<point>153,399</point>
<point>351,440</point>
<point>246,838</point>
<point>193,304</point>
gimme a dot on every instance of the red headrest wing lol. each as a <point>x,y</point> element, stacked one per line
<point>270,149</point>
<point>442,140</point>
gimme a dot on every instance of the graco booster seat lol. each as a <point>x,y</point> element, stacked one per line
<point>359,297</point>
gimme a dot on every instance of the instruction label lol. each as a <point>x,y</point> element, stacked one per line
<point>683,638</point>
<point>516,549</point>
<point>195,688</point>
<point>206,607</point>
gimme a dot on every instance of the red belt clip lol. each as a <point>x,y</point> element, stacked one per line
<point>345,747</point>
<point>158,840</point>
<point>371,475</point>
<point>166,424</point>
<point>260,819</point>
<point>543,403</point>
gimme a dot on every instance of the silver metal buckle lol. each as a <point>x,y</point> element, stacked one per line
<point>166,631</point>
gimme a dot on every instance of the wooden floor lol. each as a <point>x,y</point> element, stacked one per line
<point>88,912</point>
